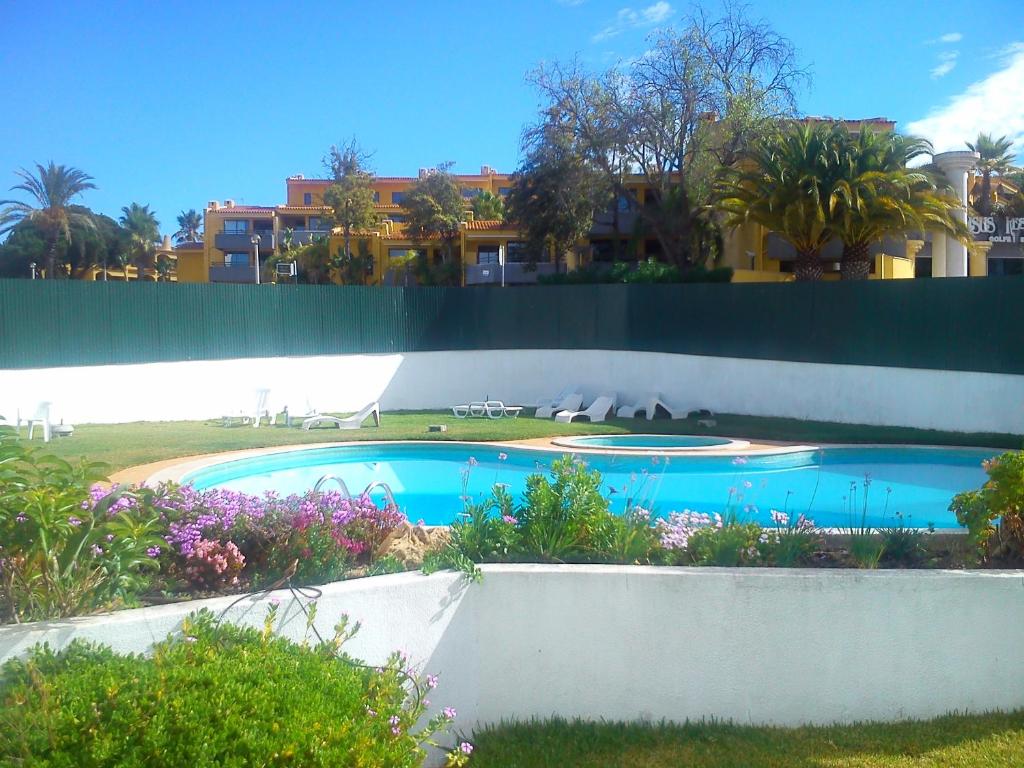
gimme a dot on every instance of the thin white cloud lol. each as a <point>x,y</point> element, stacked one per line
<point>991,105</point>
<point>951,37</point>
<point>570,3</point>
<point>629,18</point>
<point>947,63</point>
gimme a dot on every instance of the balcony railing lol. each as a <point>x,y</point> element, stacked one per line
<point>515,273</point>
<point>241,242</point>
<point>232,272</point>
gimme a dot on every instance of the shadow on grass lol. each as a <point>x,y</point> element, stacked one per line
<point>977,741</point>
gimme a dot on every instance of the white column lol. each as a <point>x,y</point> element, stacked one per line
<point>955,166</point>
<point>938,254</point>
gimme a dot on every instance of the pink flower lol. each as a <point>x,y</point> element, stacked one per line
<point>466,748</point>
<point>502,456</point>
<point>449,713</point>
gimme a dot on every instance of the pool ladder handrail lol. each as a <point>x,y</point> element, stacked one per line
<point>341,484</point>
<point>388,495</point>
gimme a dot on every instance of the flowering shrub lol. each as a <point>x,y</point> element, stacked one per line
<point>311,538</point>
<point>703,539</point>
<point>213,564</point>
<point>791,541</point>
<point>218,694</point>
<point>62,552</point>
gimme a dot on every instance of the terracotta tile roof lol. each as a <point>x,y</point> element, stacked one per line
<point>244,209</point>
<point>481,226</point>
<point>302,208</point>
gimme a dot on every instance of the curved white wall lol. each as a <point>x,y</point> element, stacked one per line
<point>949,400</point>
<point>751,645</point>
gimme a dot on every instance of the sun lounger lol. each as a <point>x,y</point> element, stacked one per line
<point>649,405</point>
<point>355,421</point>
<point>254,414</point>
<point>570,402</point>
<point>598,410</point>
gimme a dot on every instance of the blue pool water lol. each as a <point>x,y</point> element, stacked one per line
<point>827,484</point>
<point>651,442</point>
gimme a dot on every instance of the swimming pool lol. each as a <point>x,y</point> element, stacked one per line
<point>670,443</point>
<point>830,485</point>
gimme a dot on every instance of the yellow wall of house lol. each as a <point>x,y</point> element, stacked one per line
<point>193,266</point>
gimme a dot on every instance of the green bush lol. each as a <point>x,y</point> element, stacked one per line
<point>994,515</point>
<point>63,550</point>
<point>646,271</point>
<point>732,545</point>
<point>216,695</point>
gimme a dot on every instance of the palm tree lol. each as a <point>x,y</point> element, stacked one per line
<point>488,206</point>
<point>996,157</point>
<point>52,189</point>
<point>189,224</point>
<point>143,231</point>
<point>785,184</point>
<point>876,196</point>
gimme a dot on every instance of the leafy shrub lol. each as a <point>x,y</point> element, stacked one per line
<point>217,695</point>
<point>647,271</point>
<point>62,553</point>
<point>994,515</point>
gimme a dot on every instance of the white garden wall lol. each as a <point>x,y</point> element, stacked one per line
<point>621,642</point>
<point>950,400</point>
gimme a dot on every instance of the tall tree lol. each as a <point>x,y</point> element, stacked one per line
<point>488,206</point>
<point>350,195</point>
<point>434,206</point>
<point>556,192</point>
<point>190,225</point>
<point>877,195</point>
<point>690,106</point>
<point>785,185</point>
<point>143,231</point>
<point>996,157</point>
<point>52,189</point>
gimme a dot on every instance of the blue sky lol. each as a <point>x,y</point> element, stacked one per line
<point>176,103</point>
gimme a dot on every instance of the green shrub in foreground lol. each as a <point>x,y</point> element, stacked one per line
<point>217,695</point>
<point>994,515</point>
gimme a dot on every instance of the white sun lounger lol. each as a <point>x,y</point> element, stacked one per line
<point>568,403</point>
<point>254,414</point>
<point>355,421</point>
<point>40,418</point>
<point>649,406</point>
<point>598,410</point>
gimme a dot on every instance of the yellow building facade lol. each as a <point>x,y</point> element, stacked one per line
<point>488,252</point>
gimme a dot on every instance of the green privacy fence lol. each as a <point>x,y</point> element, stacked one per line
<point>956,324</point>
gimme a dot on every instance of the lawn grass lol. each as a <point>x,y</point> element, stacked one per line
<point>125,445</point>
<point>987,741</point>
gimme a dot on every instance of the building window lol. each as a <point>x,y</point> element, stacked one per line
<point>396,217</point>
<point>517,252</point>
<point>314,223</point>
<point>397,198</point>
<point>998,267</point>
<point>236,259</point>
<point>236,226</point>
<point>376,197</point>
<point>487,254</point>
<point>471,192</point>
<point>504,191</point>
<point>307,198</point>
<point>623,203</point>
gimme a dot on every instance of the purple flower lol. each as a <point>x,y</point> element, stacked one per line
<point>371,712</point>
<point>472,461</point>
<point>74,521</point>
<point>466,748</point>
<point>394,720</point>
<point>431,681</point>
<point>153,552</point>
<point>502,456</point>
<point>739,461</point>
<point>21,518</point>
<point>97,550</point>
<point>449,713</point>
<point>508,519</point>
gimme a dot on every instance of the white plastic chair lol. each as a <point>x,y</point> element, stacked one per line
<point>308,411</point>
<point>598,410</point>
<point>568,403</point>
<point>355,421</point>
<point>40,417</point>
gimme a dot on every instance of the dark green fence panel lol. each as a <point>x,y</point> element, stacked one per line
<point>968,325</point>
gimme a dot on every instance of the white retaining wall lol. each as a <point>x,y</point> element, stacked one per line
<point>755,646</point>
<point>931,399</point>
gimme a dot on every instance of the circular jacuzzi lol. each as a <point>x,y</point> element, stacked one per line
<point>660,443</point>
